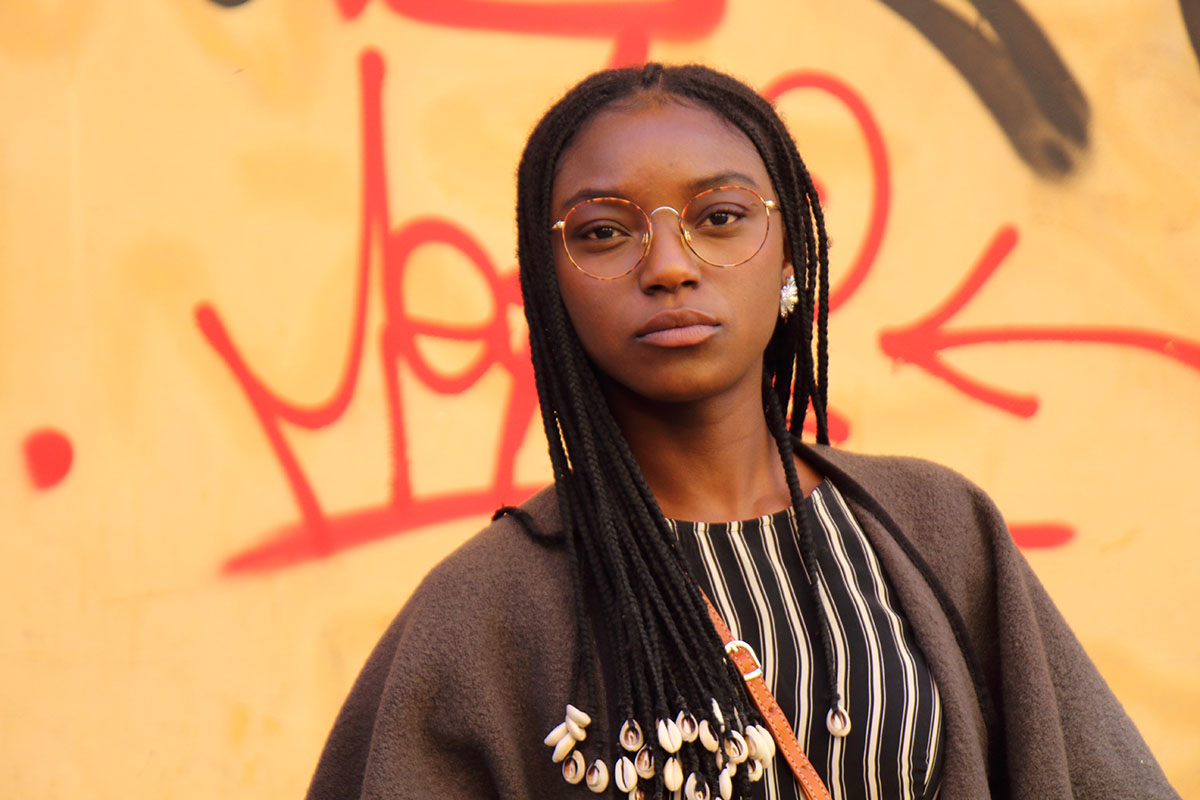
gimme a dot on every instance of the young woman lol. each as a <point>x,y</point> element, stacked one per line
<point>673,263</point>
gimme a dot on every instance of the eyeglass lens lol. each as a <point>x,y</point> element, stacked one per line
<point>608,237</point>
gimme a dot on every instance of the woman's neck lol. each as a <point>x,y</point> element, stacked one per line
<point>714,460</point>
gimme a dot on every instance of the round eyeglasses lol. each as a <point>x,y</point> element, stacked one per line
<point>607,237</point>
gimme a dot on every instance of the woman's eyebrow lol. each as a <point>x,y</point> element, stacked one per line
<point>723,179</point>
<point>587,193</point>
<point>694,187</point>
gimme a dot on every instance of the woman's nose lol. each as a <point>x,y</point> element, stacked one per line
<point>669,264</point>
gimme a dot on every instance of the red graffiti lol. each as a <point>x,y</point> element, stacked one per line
<point>922,342</point>
<point>631,25</point>
<point>319,533</point>
<point>1036,535</point>
<point>881,181</point>
<point>48,457</point>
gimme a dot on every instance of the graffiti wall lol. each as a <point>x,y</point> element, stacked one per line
<point>263,361</point>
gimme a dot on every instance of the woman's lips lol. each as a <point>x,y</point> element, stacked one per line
<point>681,327</point>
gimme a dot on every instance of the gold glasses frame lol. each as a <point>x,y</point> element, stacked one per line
<point>648,238</point>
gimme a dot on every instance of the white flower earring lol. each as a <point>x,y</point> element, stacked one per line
<point>789,296</point>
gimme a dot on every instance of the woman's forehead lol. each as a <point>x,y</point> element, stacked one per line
<point>665,148</point>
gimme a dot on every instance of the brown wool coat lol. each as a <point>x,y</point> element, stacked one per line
<point>456,697</point>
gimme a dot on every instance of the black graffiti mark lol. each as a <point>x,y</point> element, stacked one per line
<point>1191,21</point>
<point>1017,75</point>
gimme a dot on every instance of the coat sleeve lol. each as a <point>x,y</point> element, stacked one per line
<point>1065,733</point>
<point>456,697</point>
<point>342,767</point>
<point>1053,729</point>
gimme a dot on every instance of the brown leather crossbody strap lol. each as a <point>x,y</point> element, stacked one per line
<point>751,671</point>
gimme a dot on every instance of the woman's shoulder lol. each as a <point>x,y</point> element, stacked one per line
<point>899,481</point>
<point>453,676</point>
<point>514,559</point>
<point>933,511</point>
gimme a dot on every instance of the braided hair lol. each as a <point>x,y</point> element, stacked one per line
<point>632,591</point>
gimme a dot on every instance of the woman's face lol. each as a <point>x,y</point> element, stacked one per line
<point>675,329</point>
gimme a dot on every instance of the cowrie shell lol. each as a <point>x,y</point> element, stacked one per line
<point>580,717</point>
<point>706,736</point>
<point>687,726</point>
<point>735,747</point>
<point>624,775</point>
<point>553,737</point>
<point>575,729</point>
<point>695,788</point>
<point>597,776</point>
<point>563,748</point>
<point>755,770</point>
<point>751,737</point>
<point>643,762</point>
<point>764,744</point>
<point>766,738</point>
<point>573,768</point>
<point>672,774</point>
<point>725,785</point>
<point>637,793</point>
<point>669,737</point>
<point>631,736</point>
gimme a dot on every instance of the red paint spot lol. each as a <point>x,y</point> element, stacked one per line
<point>1042,534</point>
<point>48,455</point>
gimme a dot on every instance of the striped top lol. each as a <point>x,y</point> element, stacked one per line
<point>754,574</point>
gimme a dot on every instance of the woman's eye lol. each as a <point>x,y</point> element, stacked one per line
<point>720,218</point>
<point>601,233</point>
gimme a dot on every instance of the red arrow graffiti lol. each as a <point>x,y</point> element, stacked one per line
<point>922,342</point>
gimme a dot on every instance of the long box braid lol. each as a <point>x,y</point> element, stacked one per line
<point>631,588</point>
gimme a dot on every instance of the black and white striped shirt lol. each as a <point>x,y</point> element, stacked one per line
<point>754,574</point>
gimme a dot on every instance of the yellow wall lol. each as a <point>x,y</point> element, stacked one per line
<point>185,190</point>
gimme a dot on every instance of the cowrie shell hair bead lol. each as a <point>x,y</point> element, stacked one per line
<point>669,737</point>
<point>725,785</point>
<point>563,748</point>
<point>766,738</point>
<point>706,736</point>
<point>717,713</point>
<point>624,775</point>
<point>573,768</point>
<point>735,747</point>
<point>764,744</point>
<point>751,737</point>
<point>837,721</point>
<point>575,729</point>
<point>631,736</point>
<point>643,762</point>
<point>597,776</point>
<point>672,774</point>
<point>696,788</point>
<point>580,717</point>
<point>754,770</point>
<point>553,737</point>
<point>687,726</point>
